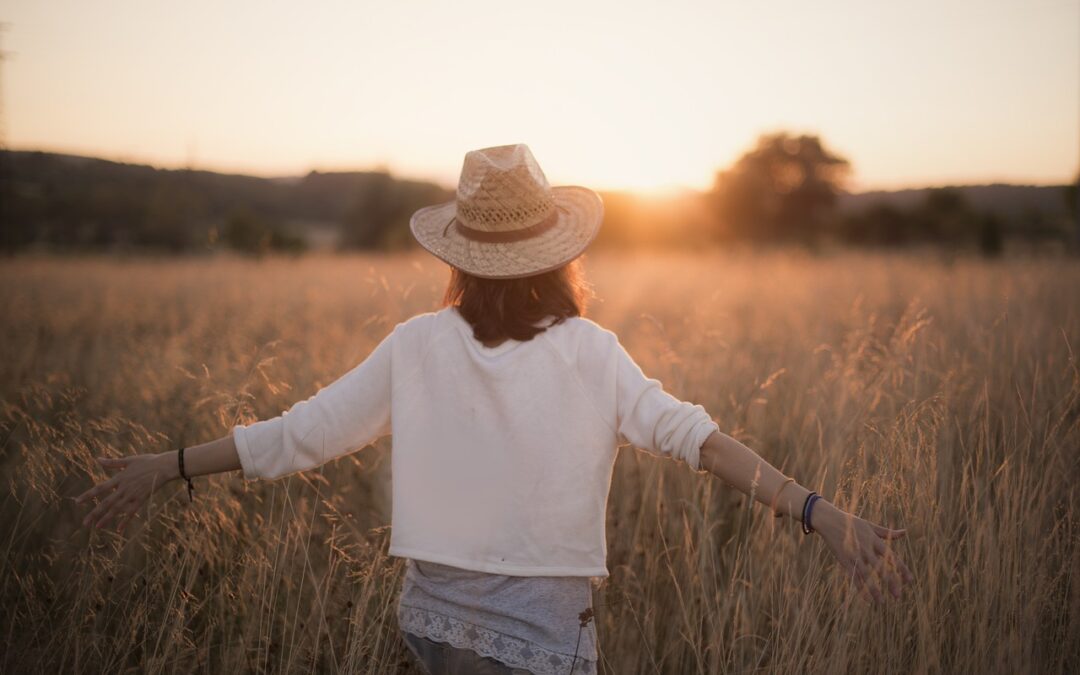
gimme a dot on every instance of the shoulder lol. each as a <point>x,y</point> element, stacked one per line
<point>419,330</point>
<point>409,343</point>
<point>418,323</point>
<point>578,338</point>
<point>590,330</point>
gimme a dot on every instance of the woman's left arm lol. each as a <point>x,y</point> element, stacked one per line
<point>861,546</point>
<point>345,415</point>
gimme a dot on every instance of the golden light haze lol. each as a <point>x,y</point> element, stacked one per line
<point>607,94</point>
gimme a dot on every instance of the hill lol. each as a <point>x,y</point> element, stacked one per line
<point>71,201</point>
<point>1012,202</point>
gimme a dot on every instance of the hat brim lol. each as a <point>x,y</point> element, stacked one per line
<point>580,213</point>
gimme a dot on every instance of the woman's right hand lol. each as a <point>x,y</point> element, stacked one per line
<point>863,549</point>
<point>121,496</point>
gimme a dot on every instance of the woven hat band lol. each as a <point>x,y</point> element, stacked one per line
<point>504,236</point>
<point>510,209</point>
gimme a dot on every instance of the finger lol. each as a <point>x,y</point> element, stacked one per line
<point>868,579</point>
<point>880,546</point>
<point>884,568</point>
<point>125,515</point>
<point>94,516</point>
<point>856,580</point>
<point>113,463</point>
<point>889,577</point>
<point>905,573</point>
<point>104,505</point>
<point>96,490</point>
<point>853,572</point>
<point>879,567</point>
<point>118,507</point>
<point>886,533</point>
<point>126,519</point>
<point>884,549</point>
<point>863,591</point>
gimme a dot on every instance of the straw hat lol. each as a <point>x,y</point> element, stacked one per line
<point>507,222</point>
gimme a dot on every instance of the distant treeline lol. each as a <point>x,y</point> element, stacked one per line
<point>792,188</point>
<point>79,202</point>
<point>786,189</point>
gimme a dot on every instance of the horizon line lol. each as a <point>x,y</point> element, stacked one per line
<point>658,190</point>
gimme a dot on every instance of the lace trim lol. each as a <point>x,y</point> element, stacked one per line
<point>512,651</point>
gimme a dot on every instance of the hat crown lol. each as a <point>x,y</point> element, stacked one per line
<point>503,188</point>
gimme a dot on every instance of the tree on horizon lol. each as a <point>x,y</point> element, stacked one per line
<point>784,189</point>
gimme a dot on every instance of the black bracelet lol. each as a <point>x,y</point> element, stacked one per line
<point>808,506</point>
<point>190,487</point>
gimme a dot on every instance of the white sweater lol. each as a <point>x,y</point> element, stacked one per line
<point>501,457</point>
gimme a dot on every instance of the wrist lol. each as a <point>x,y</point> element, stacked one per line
<point>824,516</point>
<point>168,466</point>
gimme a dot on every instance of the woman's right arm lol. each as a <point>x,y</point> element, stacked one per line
<point>651,418</point>
<point>138,476</point>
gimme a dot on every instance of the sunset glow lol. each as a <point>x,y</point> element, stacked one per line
<point>607,94</point>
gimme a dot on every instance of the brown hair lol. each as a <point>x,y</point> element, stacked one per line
<point>510,308</point>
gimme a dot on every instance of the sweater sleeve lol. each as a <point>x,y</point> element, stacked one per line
<point>340,418</point>
<point>654,420</point>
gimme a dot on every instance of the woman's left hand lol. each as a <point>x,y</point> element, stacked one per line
<point>863,549</point>
<point>125,492</point>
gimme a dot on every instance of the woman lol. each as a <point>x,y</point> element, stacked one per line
<point>507,408</point>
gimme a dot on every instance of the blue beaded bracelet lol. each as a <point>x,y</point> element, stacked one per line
<point>808,506</point>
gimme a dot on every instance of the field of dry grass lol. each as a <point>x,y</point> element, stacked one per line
<point>940,395</point>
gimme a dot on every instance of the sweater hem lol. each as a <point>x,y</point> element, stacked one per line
<point>492,567</point>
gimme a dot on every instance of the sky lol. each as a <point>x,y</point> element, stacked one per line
<point>613,95</point>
